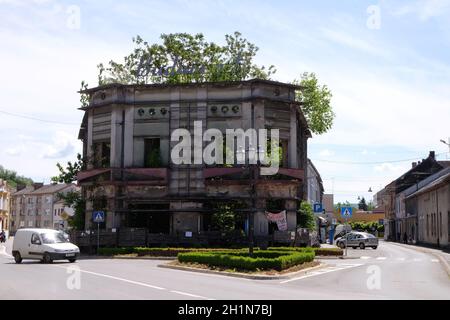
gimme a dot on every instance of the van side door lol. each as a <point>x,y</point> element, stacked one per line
<point>35,247</point>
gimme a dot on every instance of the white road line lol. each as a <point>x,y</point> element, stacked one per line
<point>417,260</point>
<point>117,278</point>
<point>189,294</point>
<point>136,283</point>
<point>401,259</point>
<point>3,252</point>
<point>434,260</point>
<point>365,258</point>
<point>381,258</point>
<point>326,270</point>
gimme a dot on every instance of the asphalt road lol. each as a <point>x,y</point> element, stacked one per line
<point>390,272</point>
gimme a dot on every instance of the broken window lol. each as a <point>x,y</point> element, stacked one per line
<point>102,154</point>
<point>152,153</point>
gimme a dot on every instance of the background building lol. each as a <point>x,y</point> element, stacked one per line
<point>315,184</point>
<point>32,206</point>
<point>5,197</point>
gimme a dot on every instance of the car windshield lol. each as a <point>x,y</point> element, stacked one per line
<point>368,235</point>
<point>54,237</point>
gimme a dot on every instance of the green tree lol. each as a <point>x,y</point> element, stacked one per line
<point>362,205</point>
<point>74,200</point>
<point>225,217</point>
<point>305,216</point>
<point>186,58</point>
<point>316,103</point>
<point>13,178</point>
<point>69,173</point>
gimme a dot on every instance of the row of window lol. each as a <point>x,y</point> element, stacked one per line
<point>33,200</point>
<point>30,212</point>
<point>31,224</point>
<point>434,224</point>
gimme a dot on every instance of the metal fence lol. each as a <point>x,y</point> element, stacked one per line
<point>87,240</point>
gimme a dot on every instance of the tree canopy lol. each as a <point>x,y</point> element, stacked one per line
<point>186,58</point>
<point>316,103</point>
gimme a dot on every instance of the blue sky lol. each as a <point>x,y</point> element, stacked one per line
<point>391,84</point>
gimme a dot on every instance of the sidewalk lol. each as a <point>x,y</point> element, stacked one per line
<point>442,254</point>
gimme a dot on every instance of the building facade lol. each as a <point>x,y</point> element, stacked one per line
<point>315,184</point>
<point>32,206</point>
<point>126,134</point>
<point>428,210</point>
<point>5,206</point>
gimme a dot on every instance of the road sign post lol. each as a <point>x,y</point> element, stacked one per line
<point>98,217</point>
<point>346,213</point>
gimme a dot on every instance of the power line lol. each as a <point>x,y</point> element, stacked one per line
<point>38,119</point>
<point>374,162</point>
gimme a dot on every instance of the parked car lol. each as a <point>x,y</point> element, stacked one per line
<point>43,244</point>
<point>357,239</point>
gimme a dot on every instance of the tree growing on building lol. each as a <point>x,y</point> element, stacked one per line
<point>305,216</point>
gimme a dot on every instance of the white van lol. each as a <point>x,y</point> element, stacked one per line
<point>43,244</point>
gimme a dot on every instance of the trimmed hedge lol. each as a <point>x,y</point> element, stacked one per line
<point>261,260</point>
<point>317,251</point>
<point>158,252</point>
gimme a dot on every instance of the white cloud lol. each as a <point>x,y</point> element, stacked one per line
<point>390,168</point>
<point>326,153</point>
<point>423,9</point>
<point>64,145</point>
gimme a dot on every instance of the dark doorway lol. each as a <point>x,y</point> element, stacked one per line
<point>149,216</point>
<point>152,153</point>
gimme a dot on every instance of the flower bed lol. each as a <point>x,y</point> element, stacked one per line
<point>237,259</point>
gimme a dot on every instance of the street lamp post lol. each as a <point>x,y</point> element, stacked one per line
<point>446,143</point>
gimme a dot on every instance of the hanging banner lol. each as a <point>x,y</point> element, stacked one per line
<point>279,219</point>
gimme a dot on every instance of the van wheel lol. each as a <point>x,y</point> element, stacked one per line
<point>362,246</point>
<point>17,257</point>
<point>375,248</point>
<point>47,258</point>
<point>72,260</point>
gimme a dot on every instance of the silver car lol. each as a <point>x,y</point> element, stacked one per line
<point>358,239</point>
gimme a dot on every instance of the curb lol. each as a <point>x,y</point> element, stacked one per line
<point>242,275</point>
<point>445,263</point>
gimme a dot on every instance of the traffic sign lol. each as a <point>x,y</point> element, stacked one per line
<point>346,212</point>
<point>98,216</point>
<point>318,208</point>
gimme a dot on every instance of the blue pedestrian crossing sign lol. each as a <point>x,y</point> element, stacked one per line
<point>98,216</point>
<point>318,208</point>
<point>346,212</point>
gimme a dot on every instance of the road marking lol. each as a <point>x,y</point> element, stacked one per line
<point>434,260</point>
<point>136,283</point>
<point>381,258</point>
<point>323,271</point>
<point>417,260</point>
<point>117,278</point>
<point>3,252</point>
<point>190,295</point>
<point>401,259</point>
<point>365,258</point>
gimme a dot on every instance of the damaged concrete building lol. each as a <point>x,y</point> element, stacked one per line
<point>126,134</point>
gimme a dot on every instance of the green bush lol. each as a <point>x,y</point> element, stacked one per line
<point>261,260</point>
<point>317,251</point>
<point>114,251</point>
